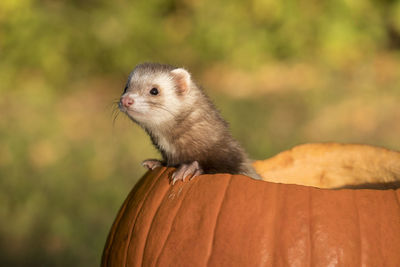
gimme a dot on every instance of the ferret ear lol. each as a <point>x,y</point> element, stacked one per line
<point>182,79</point>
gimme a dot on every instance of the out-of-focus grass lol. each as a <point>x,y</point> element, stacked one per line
<point>282,73</point>
<point>312,103</point>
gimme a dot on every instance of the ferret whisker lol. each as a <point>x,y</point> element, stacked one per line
<point>115,117</point>
<point>160,106</point>
<point>115,111</point>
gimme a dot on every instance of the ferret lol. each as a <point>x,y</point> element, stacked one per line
<point>182,122</point>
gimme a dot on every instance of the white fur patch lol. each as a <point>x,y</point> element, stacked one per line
<point>164,81</point>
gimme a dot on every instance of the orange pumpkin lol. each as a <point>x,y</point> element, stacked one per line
<point>232,220</point>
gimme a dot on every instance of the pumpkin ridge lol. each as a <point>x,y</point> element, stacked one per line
<point>216,221</point>
<point>384,238</point>
<point>133,223</point>
<point>153,218</point>
<point>174,220</point>
<point>152,221</point>
<point>381,251</point>
<point>117,224</point>
<point>278,215</point>
<point>360,247</point>
<point>113,230</point>
<point>396,194</point>
<point>310,228</point>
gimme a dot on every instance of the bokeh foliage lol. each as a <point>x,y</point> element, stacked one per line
<point>282,73</point>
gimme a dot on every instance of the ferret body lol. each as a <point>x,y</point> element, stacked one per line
<point>182,123</point>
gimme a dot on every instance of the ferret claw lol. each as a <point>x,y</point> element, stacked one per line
<point>151,164</point>
<point>186,171</point>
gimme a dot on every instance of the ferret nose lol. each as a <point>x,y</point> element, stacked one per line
<point>127,101</point>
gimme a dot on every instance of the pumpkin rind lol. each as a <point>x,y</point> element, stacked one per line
<point>232,220</point>
<point>333,165</point>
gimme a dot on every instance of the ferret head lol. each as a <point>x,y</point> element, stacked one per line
<point>156,94</point>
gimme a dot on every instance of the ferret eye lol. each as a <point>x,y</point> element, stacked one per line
<point>154,91</point>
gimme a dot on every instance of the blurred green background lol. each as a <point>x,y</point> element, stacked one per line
<point>281,72</point>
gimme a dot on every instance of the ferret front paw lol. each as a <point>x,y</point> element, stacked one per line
<point>186,171</point>
<point>151,164</point>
